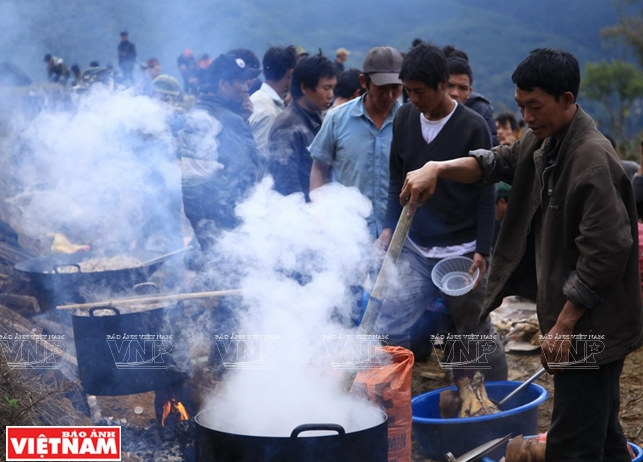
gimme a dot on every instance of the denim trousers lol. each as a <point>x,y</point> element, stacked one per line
<point>413,294</point>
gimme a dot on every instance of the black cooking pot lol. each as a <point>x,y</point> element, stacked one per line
<point>122,354</point>
<point>366,445</point>
<point>59,280</point>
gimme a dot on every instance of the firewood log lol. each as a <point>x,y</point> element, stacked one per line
<point>473,394</point>
<point>450,404</point>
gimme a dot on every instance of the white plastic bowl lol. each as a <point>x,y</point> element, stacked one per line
<point>451,275</point>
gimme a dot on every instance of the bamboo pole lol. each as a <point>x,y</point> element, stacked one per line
<point>152,299</point>
<point>378,292</point>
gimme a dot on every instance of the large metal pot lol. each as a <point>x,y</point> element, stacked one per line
<point>365,445</point>
<point>121,354</point>
<point>59,280</point>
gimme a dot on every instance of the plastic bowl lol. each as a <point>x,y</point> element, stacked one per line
<point>437,436</point>
<point>451,275</point>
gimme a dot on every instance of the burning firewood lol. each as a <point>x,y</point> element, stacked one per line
<point>469,401</point>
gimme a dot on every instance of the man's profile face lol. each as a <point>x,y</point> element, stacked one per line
<point>321,97</point>
<point>542,113</point>
<point>459,87</point>
<point>235,90</point>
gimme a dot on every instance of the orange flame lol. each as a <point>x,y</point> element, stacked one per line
<point>178,407</point>
<point>61,244</point>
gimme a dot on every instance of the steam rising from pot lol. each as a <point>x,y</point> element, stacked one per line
<point>297,263</point>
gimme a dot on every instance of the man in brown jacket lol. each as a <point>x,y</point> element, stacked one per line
<point>570,241</point>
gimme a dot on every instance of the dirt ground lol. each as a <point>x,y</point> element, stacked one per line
<point>428,376</point>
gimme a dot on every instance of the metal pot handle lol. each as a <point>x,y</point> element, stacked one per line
<point>146,288</point>
<point>67,265</point>
<point>94,308</point>
<point>316,427</point>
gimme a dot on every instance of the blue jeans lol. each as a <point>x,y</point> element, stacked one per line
<point>407,301</point>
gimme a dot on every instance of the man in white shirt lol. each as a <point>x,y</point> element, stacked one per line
<point>268,101</point>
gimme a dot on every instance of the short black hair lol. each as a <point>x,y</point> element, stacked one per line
<point>47,57</point>
<point>425,63</point>
<point>459,66</point>
<point>416,42</point>
<point>507,117</point>
<point>277,61</point>
<point>452,52</point>
<point>553,71</point>
<point>348,83</point>
<point>308,72</point>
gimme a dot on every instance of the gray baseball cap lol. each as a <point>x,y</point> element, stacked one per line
<point>383,65</point>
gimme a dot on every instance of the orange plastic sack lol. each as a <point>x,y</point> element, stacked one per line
<point>389,387</point>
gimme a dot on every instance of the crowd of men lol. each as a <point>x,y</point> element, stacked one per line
<point>409,127</point>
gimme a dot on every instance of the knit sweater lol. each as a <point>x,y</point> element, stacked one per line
<point>457,213</point>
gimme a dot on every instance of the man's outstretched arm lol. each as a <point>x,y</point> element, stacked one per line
<point>419,185</point>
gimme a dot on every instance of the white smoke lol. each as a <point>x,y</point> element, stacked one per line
<point>96,172</point>
<point>299,261</point>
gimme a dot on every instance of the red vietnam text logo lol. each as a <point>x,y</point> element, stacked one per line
<point>59,443</point>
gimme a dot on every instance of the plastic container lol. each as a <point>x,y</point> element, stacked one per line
<point>638,452</point>
<point>451,275</point>
<point>437,436</point>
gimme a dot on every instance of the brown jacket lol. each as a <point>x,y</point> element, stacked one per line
<point>579,214</point>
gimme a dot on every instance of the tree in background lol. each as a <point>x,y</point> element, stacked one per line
<point>630,28</point>
<point>615,86</point>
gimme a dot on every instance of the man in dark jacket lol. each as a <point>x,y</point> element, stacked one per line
<point>220,161</point>
<point>569,240</point>
<point>312,83</point>
<point>126,56</point>
<point>459,222</point>
<point>460,87</point>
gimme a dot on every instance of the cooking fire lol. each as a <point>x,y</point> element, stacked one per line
<point>174,409</point>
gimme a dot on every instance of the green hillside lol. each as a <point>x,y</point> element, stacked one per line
<point>496,34</point>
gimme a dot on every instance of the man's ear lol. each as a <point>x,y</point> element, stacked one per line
<point>304,89</point>
<point>568,99</point>
<point>362,81</point>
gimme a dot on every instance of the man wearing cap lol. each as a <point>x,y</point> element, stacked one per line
<point>126,56</point>
<point>341,55</point>
<point>355,138</point>
<point>219,158</point>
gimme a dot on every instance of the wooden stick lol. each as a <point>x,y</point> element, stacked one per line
<point>378,292</point>
<point>152,299</point>
<point>166,255</point>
